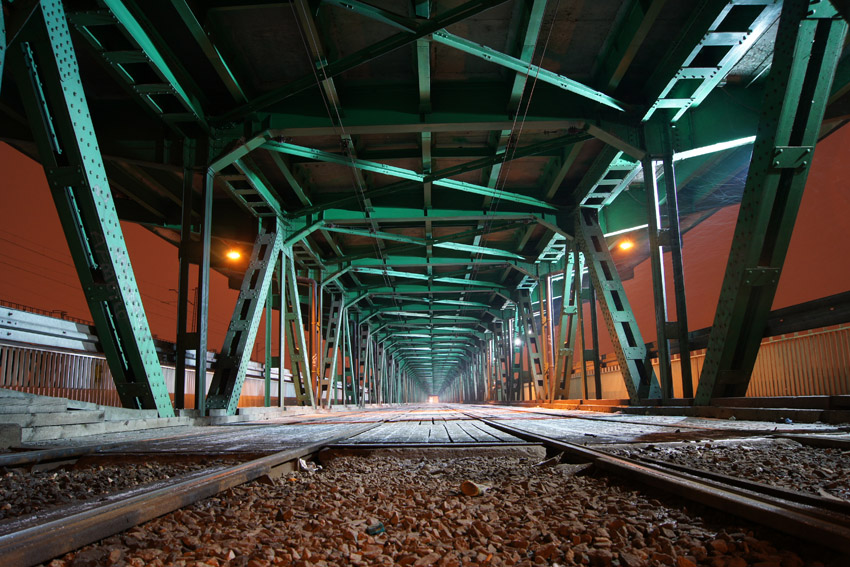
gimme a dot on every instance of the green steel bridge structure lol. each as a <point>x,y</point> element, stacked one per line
<point>430,190</point>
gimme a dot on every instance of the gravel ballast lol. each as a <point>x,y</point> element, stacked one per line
<point>783,462</point>
<point>417,515</point>
<point>24,492</point>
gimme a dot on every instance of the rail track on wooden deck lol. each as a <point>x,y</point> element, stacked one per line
<point>30,541</point>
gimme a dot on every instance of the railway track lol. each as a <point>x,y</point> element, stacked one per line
<point>819,520</point>
<point>816,519</point>
<point>40,543</point>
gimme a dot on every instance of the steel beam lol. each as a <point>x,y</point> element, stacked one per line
<point>494,56</point>
<point>232,362</point>
<point>408,174</point>
<point>296,341</point>
<point>326,394</point>
<point>2,45</point>
<point>48,77</point>
<point>808,45</point>
<point>674,243</point>
<point>625,41</point>
<point>568,323</point>
<point>214,56</point>
<point>659,283</point>
<point>628,344</point>
<point>737,43</point>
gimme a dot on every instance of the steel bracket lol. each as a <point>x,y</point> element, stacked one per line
<point>760,276</point>
<point>791,157</point>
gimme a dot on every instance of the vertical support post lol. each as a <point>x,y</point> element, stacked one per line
<point>267,367</point>
<point>2,45</point>
<point>47,74</point>
<point>530,346</point>
<point>675,245</point>
<point>808,45</point>
<point>656,260</point>
<point>548,370</point>
<point>202,300</point>
<point>349,366</point>
<point>568,323</point>
<point>580,322</point>
<point>281,331</point>
<point>594,337</point>
<point>313,346</point>
<point>184,253</point>
<point>328,369</point>
<point>637,372</point>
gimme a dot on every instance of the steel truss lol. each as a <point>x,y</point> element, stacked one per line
<point>46,71</point>
<point>232,364</point>
<point>631,351</point>
<point>808,45</point>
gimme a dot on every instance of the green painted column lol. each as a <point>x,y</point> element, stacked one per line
<point>47,74</point>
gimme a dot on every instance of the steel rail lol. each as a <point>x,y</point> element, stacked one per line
<point>818,502</point>
<point>799,520</point>
<point>42,543</point>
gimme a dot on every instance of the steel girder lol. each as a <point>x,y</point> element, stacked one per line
<point>439,178</point>
<point>719,35</point>
<point>326,394</point>
<point>567,324</point>
<point>2,45</point>
<point>350,392</point>
<point>296,342</point>
<point>807,48</point>
<point>232,363</point>
<point>47,74</point>
<point>148,51</point>
<point>531,350</point>
<point>631,351</point>
<point>195,165</point>
<point>519,65</point>
<point>659,287</point>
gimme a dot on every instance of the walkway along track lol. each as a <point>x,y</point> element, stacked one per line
<point>757,503</point>
<point>41,543</point>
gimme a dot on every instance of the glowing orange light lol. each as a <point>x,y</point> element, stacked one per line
<point>233,254</point>
<point>627,245</point>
